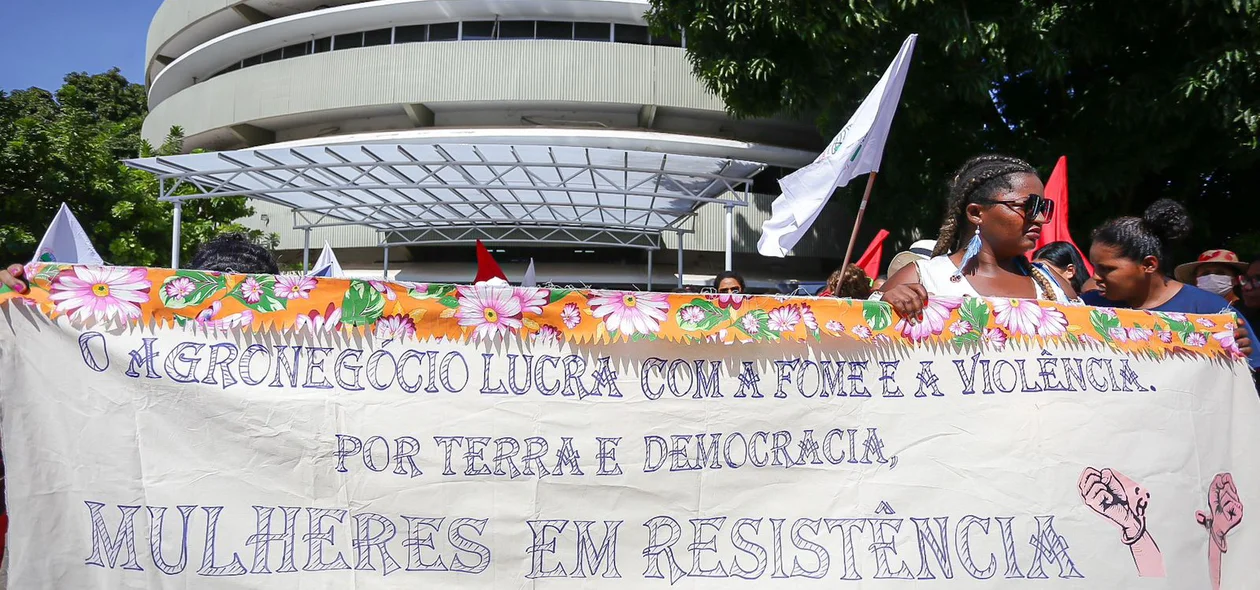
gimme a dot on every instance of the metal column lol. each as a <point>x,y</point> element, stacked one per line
<point>649,287</point>
<point>730,234</point>
<point>680,261</point>
<point>176,219</point>
<point>385,268</point>
<point>306,251</point>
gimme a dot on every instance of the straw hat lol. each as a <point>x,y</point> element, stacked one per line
<point>920,250</point>
<point>1185,272</point>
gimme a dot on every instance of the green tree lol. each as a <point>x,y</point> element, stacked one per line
<point>66,147</point>
<point>1146,99</point>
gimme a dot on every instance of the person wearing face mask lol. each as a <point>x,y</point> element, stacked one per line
<point>1216,271</point>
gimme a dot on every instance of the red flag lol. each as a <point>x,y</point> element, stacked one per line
<point>1057,229</point>
<point>487,268</point>
<point>870,259</point>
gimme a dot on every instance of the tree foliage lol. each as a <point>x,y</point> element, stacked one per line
<point>1146,99</point>
<point>67,147</point>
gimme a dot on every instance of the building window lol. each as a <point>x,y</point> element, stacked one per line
<point>478,30</point>
<point>348,41</point>
<point>631,34</point>
<point>548,29</point>
<point>673,40</point>
<point>592,31</point>
<point>322,45</point>
<point>378,37</point>
<point>297,50</point>
<point>251,61</point>
<point>444,32</point>
<point>516,29</point>
<point>273,55</point>
<point>413,34</point>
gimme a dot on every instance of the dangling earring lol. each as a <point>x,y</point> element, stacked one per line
<point>973,250</point>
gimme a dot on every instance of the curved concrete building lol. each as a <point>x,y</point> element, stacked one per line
<point>235,74</point>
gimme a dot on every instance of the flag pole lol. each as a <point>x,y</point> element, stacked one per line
<point>866,196</point>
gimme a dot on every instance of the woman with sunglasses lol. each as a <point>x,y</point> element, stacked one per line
<point>994,216</point>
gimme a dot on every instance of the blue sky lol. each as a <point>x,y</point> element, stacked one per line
<point>43,40</point>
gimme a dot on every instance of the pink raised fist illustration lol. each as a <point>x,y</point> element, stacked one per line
<point>1225,511</point>
<point>1123,501</point>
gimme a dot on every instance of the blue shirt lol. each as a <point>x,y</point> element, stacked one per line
<point>1189,299</point>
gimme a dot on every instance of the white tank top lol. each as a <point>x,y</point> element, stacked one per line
<point>935,274</point>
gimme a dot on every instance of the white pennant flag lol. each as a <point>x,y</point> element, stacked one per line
<point>66,242</point>
<point>327,266</point>
<point>856,150</point>
<point>530,279</point>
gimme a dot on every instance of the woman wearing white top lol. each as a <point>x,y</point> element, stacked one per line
<point>995,212</point>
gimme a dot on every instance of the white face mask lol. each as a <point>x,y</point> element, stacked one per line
<point>1219,284</point>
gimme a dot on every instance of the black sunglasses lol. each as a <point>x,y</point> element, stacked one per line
<point>1033,207</point>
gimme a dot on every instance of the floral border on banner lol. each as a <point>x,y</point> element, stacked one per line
<point>395,310</point>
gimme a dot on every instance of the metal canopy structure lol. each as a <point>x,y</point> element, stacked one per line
<point>453,193</point>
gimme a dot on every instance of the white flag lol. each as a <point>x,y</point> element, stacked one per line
<point>530,280</point>
<point>856,150</point>
<point>327,266</point>
<point>66,242</point>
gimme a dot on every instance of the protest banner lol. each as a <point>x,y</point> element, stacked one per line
<point>184,429</point>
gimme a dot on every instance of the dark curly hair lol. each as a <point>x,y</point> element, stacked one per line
<point>850,283</point>
<point>234,253</point>
<point>1166,221</point>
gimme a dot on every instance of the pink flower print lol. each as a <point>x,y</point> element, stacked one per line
<point>179,288</point>
<point>251,291</point>
<point>1111,312</point>
<point>1053,323</point>
<point>863,332</point>
<point>1206,323</point>
<point>750,324</point>
<point>1140,334</point>
<point>294,286</point>
<point>395,327</point>
<point>206,318</point>
<point>835,327</point>
<point>532,300</point>
<point>995,338</point>
<point>1196,340</point>
<point>493,311</point>
<point>1118,334</point>
<point>1165,336</point>
<point>935,314</point>
<point>547,335</point>
<point>807,316</point>
<point>107,293</point>
<point>317,323</point>
<point>784,319</point>
<point>1175,316</point>
<point>731,300</point>
<point>690,314</point>
<point>1018,316</point>
<point>571,315</point>
<point>1227,342</point>
<point>631,313</point>
<point>383,288</point>
<point>960,328</point>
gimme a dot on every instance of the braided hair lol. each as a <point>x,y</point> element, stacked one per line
<point>980,180</point>
<point>234,253</point>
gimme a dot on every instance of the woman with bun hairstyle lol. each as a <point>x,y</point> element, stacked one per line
<point>993,218</point>
<point>1132,266</point>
